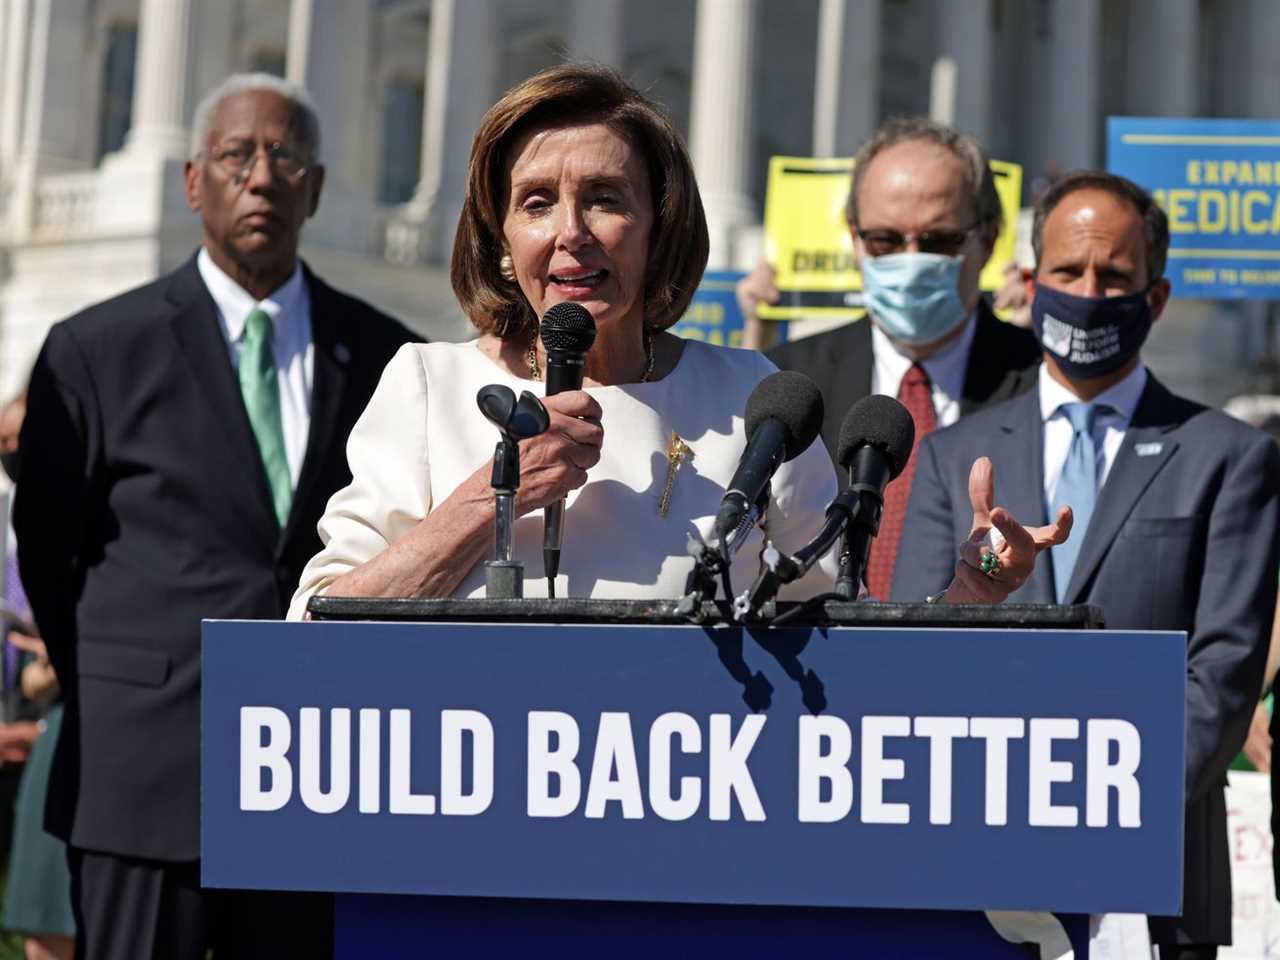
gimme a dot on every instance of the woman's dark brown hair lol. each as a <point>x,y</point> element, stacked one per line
<point>572,95</point>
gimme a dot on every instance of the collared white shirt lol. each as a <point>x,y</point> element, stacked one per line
<point>289,307</point>
<point>946,369</point>
<point>1109,426</point>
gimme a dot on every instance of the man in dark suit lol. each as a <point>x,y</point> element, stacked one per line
<point>924,215</point>
<point>1177,506</point>
<point>180,444</point>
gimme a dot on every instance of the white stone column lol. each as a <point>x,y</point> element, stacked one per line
<point>162,94</point>
<point>597,31</point>
<point>51,137</point>
<point>141,188</point>
<point>1071,126</point>
<point>846,94</point>
<point>329,51</point>
<point>1161,68</point>
<point>54,134</point>
<point>722,122</point>
<point>16,15</point>
<point>214,54</point>
<point>966,33</point>
<point>462,80</point>
<point>330,43</point>
<point>1259,27</point>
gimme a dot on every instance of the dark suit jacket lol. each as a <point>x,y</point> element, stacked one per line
<point>142,507</point>
<point>1184,536</point>
<point>1002,363</point>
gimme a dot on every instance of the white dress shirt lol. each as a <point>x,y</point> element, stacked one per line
<point>946,370</point>
<point>290,310</point>
<point>1109,425</point>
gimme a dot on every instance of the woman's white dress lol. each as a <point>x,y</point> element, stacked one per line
<point>422,435</point>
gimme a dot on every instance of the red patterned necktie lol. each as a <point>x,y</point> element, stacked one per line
<point>916,395</point>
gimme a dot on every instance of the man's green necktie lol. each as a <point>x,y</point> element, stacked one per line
<point>261,392</point>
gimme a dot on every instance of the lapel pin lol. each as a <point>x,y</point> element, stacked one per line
<point>342,353</point>
<point>1148,449</point>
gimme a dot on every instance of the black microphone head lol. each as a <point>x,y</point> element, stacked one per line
<point>794,401</point>
<point>498,404</point>
<point>517,419</point>
<point>880,422</point>
<point>568,327</point>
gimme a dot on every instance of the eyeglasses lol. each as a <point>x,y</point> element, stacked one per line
<point>236,160</point>
<point>948,243</point>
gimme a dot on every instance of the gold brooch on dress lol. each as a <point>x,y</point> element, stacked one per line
<point>677,453</point>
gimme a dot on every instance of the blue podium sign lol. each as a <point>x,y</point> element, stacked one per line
<point>1219,182</point>
<point>1011,770</point>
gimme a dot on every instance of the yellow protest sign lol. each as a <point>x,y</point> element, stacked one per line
<point>1008,177</point>
<point>808,241</point>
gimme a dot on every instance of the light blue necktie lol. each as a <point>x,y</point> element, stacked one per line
<point>1077,488</point>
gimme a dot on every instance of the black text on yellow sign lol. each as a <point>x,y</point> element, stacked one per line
<point>807,238</point>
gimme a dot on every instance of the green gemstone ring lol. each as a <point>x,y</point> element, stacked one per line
<point>990,564</point>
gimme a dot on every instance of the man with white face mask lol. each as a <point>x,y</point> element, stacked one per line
<point>924,215</point>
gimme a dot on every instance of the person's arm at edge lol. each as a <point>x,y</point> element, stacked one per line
<point>50,514</point>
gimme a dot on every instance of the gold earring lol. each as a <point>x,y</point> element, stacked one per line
<point>507,268</point>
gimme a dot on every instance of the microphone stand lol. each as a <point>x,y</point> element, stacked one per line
<point>776,568</point>
<point>503,576</point>
<point>516,420</point>
<point>711,563</point>
<point>700,587</point>
<point>864,518</point>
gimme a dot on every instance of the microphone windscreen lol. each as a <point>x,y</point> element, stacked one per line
<point>880,422</point>
<point>794,401</point>
<point>568,326</point>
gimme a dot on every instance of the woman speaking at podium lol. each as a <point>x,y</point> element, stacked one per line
<point>579,189</point>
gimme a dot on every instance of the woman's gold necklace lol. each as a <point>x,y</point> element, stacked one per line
<point>535,372</point>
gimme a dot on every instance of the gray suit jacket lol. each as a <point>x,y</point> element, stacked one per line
<point>1184,536</point>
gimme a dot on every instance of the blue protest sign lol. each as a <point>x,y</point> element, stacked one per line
<point>1016,770</point>
<point>713,314</point>
<point>1219,182</point>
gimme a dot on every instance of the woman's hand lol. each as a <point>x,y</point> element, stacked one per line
<point>1015,546</point>
<point>556,462</point>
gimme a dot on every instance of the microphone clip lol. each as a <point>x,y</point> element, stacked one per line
<point>709,566</point>
<point>776,568</point>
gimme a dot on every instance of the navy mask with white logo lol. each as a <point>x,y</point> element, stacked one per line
<point>1090,336</point>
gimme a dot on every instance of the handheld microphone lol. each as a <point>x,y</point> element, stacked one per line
<point>567,331</point>
<point>784,415</point>
<point>875,444</point>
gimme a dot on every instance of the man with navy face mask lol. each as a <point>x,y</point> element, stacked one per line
<point>1176,506</point>
<point>924,215</point>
